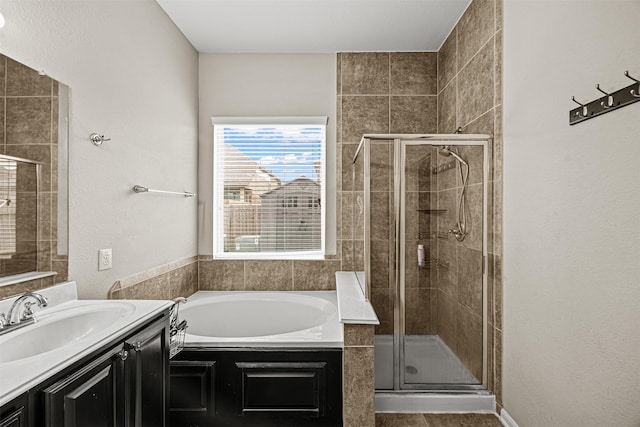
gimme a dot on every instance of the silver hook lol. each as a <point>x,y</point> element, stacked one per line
<point>584,107</point>
<point>626,73</point>
<point>97,139</point>
<point>634,92</point>
<point>609,98</point>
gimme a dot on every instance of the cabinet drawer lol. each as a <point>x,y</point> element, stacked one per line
<point>282,387</point>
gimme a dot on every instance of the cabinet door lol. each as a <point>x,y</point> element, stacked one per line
<point>192,393</point>
<point>14,413</point>
<point>147,376</point>
<point>16,418</point>
<point>91,396</point>
<point>294,388</point>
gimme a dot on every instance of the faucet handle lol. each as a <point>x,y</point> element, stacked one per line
<point>3,321</point>
<point>27,313</point>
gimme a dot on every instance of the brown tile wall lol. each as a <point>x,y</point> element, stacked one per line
<point>29,129</point>
<point>358,406</point>
<point>168,281</point>
<point>470,97</point>
<point>381,93</point>
<point>254,275</point>
<point>420,282</point>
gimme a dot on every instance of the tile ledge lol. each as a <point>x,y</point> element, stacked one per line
<point>352,307</point>
<point>25,277</point>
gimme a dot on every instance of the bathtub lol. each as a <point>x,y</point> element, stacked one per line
<point>262,319</point>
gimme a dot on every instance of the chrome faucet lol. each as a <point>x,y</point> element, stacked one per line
<point>3,321</point>
<point>26,313</point>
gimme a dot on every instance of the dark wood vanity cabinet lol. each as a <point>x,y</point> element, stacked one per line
<point>125,384</point>
<point>94,395</point>
<point>14,413</point>
<point>147,376</point>
<point>256,387</point>
<point>192,399</point>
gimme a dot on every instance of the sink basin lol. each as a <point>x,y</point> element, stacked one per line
<point>60,329</point>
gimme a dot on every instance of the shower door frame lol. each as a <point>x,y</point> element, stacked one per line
<point>400,142</point>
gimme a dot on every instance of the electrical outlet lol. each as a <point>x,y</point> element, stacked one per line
<point>105,259</point>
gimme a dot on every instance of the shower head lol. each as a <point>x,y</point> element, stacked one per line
<point>446,151</point>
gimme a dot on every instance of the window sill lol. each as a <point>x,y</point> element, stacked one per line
<point>248,256</point>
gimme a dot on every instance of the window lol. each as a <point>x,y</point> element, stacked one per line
<point>269,183</point>
<point>231,194</point>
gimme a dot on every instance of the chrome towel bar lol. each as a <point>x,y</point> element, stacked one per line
<point>141,189</point>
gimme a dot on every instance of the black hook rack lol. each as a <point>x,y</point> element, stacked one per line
<point>609,102</point>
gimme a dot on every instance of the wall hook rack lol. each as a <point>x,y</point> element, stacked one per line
<point>97,139</point>
<point>609,102</point>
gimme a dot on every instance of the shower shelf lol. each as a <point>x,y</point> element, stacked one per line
<point>423,235</point>
<point>432,210</point>
<point>434,263</point>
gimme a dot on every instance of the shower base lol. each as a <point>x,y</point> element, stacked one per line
<point>430,362</point>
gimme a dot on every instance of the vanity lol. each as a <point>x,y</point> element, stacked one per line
<point>96,363</point>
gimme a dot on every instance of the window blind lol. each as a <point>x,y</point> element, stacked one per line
<point>8,169</point>
<point>269,187</point>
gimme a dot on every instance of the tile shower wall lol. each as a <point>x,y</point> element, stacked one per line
<point>28,129</point>
<point>470,97</point>
<point>380,93</point>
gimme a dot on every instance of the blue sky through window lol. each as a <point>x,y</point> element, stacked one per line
<point>287,151</point>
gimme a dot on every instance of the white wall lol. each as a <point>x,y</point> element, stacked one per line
<point>264,85</point>
<point>571,216</point>
<point>133,78</point>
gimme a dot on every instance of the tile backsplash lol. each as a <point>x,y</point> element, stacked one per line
<point>167,281</point>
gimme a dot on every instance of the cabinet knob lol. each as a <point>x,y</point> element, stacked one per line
<point>123,354</point>
<point>137,346</point>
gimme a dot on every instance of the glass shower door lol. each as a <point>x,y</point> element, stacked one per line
<point>442,249</point>
<point>419,217</point>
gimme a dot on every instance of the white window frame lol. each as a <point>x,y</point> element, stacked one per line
<point>218,190</point>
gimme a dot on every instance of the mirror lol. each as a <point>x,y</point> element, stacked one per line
<point>18,219</point>
<point>33,174</point>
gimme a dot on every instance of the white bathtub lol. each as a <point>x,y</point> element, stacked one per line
<point>262,319</point>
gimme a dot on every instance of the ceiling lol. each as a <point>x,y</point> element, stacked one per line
<point>309,26</point>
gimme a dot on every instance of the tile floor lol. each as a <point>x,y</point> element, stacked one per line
<point>437,420</point>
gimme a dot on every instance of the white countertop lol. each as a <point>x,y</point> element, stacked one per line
<point>352,306</point>
<point>20,375</point>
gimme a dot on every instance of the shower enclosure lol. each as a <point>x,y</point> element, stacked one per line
<point>419,204</point>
